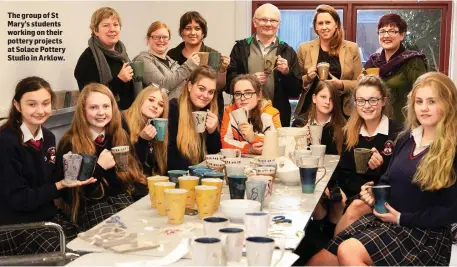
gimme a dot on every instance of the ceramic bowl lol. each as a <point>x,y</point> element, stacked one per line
<point>234,209</point>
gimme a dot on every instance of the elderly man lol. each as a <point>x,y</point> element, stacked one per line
<point>272,61</point>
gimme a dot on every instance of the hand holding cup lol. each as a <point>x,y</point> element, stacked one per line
<point>126,73</point>
<point>256,148</point>
<point>212,121</point>
<point>247,131</point>
<point>149,132</point>
<point>376,159</point>
<point>366,194</point>
<point>106,160</point>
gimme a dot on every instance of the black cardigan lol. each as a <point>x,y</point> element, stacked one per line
<point>27,178</point>
<point>86,71</point>
<point>176,161</point>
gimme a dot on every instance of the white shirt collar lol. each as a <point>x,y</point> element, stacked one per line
<point>328,120</point>
<point>383,128</point>
<point>95,134</point>
<point>28,134</point>
<point>417,136</point>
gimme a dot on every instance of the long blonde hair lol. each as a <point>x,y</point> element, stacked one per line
<point>191,144</point>
<point>355,122</point>
<point>435,170</point>
<point>137,121</point>
<point>80,139</point>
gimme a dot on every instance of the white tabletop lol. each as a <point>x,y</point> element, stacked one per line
<point>139,217</point>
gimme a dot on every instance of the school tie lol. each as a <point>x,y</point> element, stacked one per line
<point>36,144</point>
<point>99,139</point>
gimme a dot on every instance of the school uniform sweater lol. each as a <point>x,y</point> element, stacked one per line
<point>146,156</point>
<point>27,179</point>
<point>176,161</point>
<point>345,173</point>
<point>231,136</point>
<point>418,208</point>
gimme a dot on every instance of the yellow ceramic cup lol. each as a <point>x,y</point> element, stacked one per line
<point>159,193</point>
<point>206,196</point>
<point>189,183</point>
<point>372,71</point>
<point>217,183</point>
<point>175,202</point>
<point>151,181</point>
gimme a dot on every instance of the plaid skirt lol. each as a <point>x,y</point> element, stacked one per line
<point>96,211</point>
<point>33,241</point>
<point>390,244</point>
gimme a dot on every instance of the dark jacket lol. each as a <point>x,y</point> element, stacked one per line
<point>176,161</point>
<point>86,72</point>
<point>27,178</point>
<point>286,86</point>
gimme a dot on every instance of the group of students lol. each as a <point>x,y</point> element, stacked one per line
<point>417,159</point>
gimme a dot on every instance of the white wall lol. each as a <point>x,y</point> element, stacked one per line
<point>227,21</point>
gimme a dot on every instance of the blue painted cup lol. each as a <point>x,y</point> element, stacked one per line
<point>173,176</point>
<point>161,127</point>
<point>308,175</point>
<point>381,195</point>
<point>237,186</point>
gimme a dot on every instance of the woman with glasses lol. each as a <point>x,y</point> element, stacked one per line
<point>161,69</point>
<point>368,127</point>
<point>186,146</point>
<point>106,61</point>
<point>151,103</point>
<point>247,136</point>
<point>330,47</point>
<point>193,29</point>
<point>399,68</point>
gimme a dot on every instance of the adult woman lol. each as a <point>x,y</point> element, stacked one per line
<point>150,103</point>
<point>262,116</point>
<point>422,174</point>
<point>325,110</point>
<point>160,68</point>
<point>185,145</point>
<point>27,173</point>
<point>193,29</point>
<point>398,67</point>
<point>95,130</point>
<point>105,60</point>
<point>343,57</point>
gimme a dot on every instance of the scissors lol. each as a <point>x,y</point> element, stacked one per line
<point>281,219</point>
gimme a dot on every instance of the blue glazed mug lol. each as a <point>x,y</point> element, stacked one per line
<point>237,186</point>
<point>381,195</point>
<point>161,127</point>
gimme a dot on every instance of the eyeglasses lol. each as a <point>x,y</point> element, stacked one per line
<point>158,37</point>
<point>372,101</point>
<point>389,32</point>
<point>247,95</point>
<point>264,21</point>
<point>161,88</point>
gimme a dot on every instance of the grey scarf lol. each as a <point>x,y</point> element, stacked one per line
<point>100,51</point>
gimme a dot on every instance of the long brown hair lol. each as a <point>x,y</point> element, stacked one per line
<point>255,114</point>
<point>80,139</point>
<point>190,143</point>
<point>26,85</point>
<point>137,121</point>
<point>337,121</point>
<point>355,122</point>
<point>338,36</point>
<point>435,170</point>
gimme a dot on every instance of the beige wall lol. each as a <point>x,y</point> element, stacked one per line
<point>227,20</point>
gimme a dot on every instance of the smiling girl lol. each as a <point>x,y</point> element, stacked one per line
<point>28,173</point>
<point>95,130</point>
<point>262,116</point>
<point>185,146</point>
<point>422,175</point>
<point>151,103</point>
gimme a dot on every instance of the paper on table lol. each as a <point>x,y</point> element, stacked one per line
<point>287,260</point>
<point>180,251</point>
